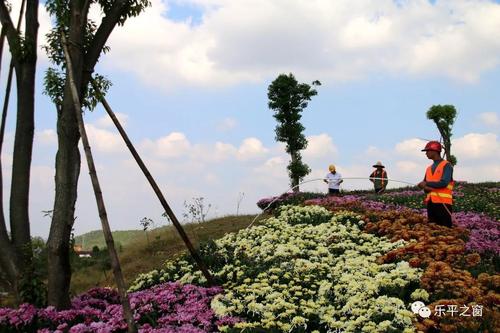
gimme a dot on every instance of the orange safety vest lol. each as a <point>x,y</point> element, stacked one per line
<point>439,195</point>
<point>383,175</point>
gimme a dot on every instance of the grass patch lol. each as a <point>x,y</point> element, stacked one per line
<point>96,238</point>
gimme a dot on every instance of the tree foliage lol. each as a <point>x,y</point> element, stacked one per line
<point>444,117</point>
<point>288,98</point>
<point>55,77</point>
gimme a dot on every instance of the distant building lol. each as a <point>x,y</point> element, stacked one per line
<point>81,253</point>
<point>84,254</point>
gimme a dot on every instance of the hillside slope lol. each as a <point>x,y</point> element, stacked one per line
<point>137,255</point>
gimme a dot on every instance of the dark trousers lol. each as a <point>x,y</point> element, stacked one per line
<point>379,190</point>
<point>333,191</point>
<point>439,213</point>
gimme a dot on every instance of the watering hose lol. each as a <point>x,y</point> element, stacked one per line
<point>320,179</point>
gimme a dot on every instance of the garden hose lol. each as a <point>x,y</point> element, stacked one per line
<point>321,179</point>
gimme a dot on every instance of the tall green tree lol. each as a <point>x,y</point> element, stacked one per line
<point>444,116</point>
<point>16,252</point>
<point>288,98</point>
<point>87,41</point>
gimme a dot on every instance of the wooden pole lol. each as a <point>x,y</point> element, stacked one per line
<point>156,188</point>
<point>115,263</point>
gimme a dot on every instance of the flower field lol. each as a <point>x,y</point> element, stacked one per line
<point>352,263</point>
<point>165,308</point>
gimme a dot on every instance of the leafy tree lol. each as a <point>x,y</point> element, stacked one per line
<point>288,99</point>
<point>17,256</point>
<point>444,117</point>
<point>87,41</point>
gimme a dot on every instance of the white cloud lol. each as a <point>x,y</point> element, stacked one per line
<point>106,121</point>
<point>270,176</point>
<point>320,146</point>
<point>490,119</point>
<point>43,175</point>
<point>224,151</point>
<point>211,178</point>
<point>477,155</point>
<point>410,147</point>
<point>103,140</point>
<point>363,33</point>
<point>478,173</point>
<point>46,137</point>
<point>408,167</point>
<point>476,146</point>
<point>373,151</point>
<point>218,171</point>
<point>468,147</point>
<point>251,148</point>
<point>334,40</point>
<point>227,124</point>
<point>173,145</point>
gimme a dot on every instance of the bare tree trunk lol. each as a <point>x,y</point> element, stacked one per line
<point>294,180</point>
<point>7,261</point>
<point>66,178</point>
<point>17,258</point>
<point>68,156</point>
<point>115,263</point>
<point>447,148</point>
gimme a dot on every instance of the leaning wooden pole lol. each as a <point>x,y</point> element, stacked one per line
<point>156,188</point>
<point>115,263</point>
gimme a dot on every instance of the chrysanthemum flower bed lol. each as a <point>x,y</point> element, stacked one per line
<point>453,274</point>
<point>165,308</point>
<point>338,264</point>
<point>460,263</point>
<point>306,270</point>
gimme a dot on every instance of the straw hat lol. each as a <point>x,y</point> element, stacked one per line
<point>331,167</point>
<point>378,165</point>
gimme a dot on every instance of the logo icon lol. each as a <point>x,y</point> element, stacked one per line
<point>419,308</point>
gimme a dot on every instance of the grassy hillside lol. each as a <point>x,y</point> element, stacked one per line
<point>139,256</point>
<point>96,237</point>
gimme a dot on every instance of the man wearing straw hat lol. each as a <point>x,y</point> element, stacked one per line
<point>379,178</point>
<point>333,179</point>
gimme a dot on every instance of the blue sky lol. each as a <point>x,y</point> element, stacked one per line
<point>190,81</point>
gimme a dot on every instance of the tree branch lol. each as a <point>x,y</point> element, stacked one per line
<point>31,28</point>
<point>10,30</point>
<point>85,12</point>
<point>101,36</point>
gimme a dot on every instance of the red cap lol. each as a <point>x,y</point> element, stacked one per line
<point>432,145</point>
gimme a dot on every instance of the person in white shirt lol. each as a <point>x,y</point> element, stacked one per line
<point>333,179</point>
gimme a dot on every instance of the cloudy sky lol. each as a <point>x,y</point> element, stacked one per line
<point>190,82</point>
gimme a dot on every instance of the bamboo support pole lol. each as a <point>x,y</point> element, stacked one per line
<point>127,311</point>
<point>156,189</point>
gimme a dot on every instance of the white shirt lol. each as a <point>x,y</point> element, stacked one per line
<point>333,180</point>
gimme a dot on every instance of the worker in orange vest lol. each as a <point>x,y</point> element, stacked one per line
<point>438,184</point>
<point>379,178</point>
